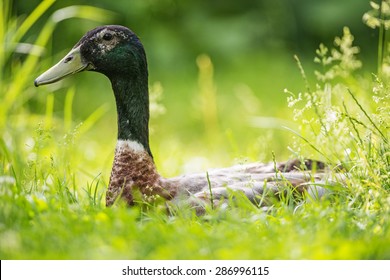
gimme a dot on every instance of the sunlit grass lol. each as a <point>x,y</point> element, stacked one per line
<point>54,164</point>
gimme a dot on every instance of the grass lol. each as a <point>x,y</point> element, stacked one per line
<point>54,167</point>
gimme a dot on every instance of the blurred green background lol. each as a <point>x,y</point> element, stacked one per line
<point>251,44</point>
<point>222,68</point>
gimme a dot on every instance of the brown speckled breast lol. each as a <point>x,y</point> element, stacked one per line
<point>133,168</point>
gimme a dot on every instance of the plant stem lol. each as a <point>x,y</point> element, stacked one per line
<point>381,39</point>
<point>211,193</point>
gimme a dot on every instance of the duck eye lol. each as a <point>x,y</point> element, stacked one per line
<point>107,36</point>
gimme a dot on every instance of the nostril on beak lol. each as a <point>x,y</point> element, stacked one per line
<point>69,58</point>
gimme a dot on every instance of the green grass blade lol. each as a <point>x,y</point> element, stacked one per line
<point>308,142</point>
<point>49,111</point>
<point>85,12</point>
<point>211,192</point>
<point>93,118</point>
<point>384,138</point>
<point>68,108</point>
<point>32,19</point>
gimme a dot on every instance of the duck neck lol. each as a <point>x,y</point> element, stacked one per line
<point>132,103</point>
<point>133,162</point>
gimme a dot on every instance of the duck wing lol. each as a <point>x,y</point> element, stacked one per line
<point>254,180</point>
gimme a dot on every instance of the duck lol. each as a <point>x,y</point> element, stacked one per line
<point>117,52</point>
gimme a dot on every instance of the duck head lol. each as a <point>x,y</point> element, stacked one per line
<point>112,50</point>
<point>116,52</point>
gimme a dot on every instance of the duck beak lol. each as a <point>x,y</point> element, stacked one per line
<point>72,63</point>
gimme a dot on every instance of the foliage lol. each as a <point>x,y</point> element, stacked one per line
<point>52,184</point>
<point>344,120</point>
